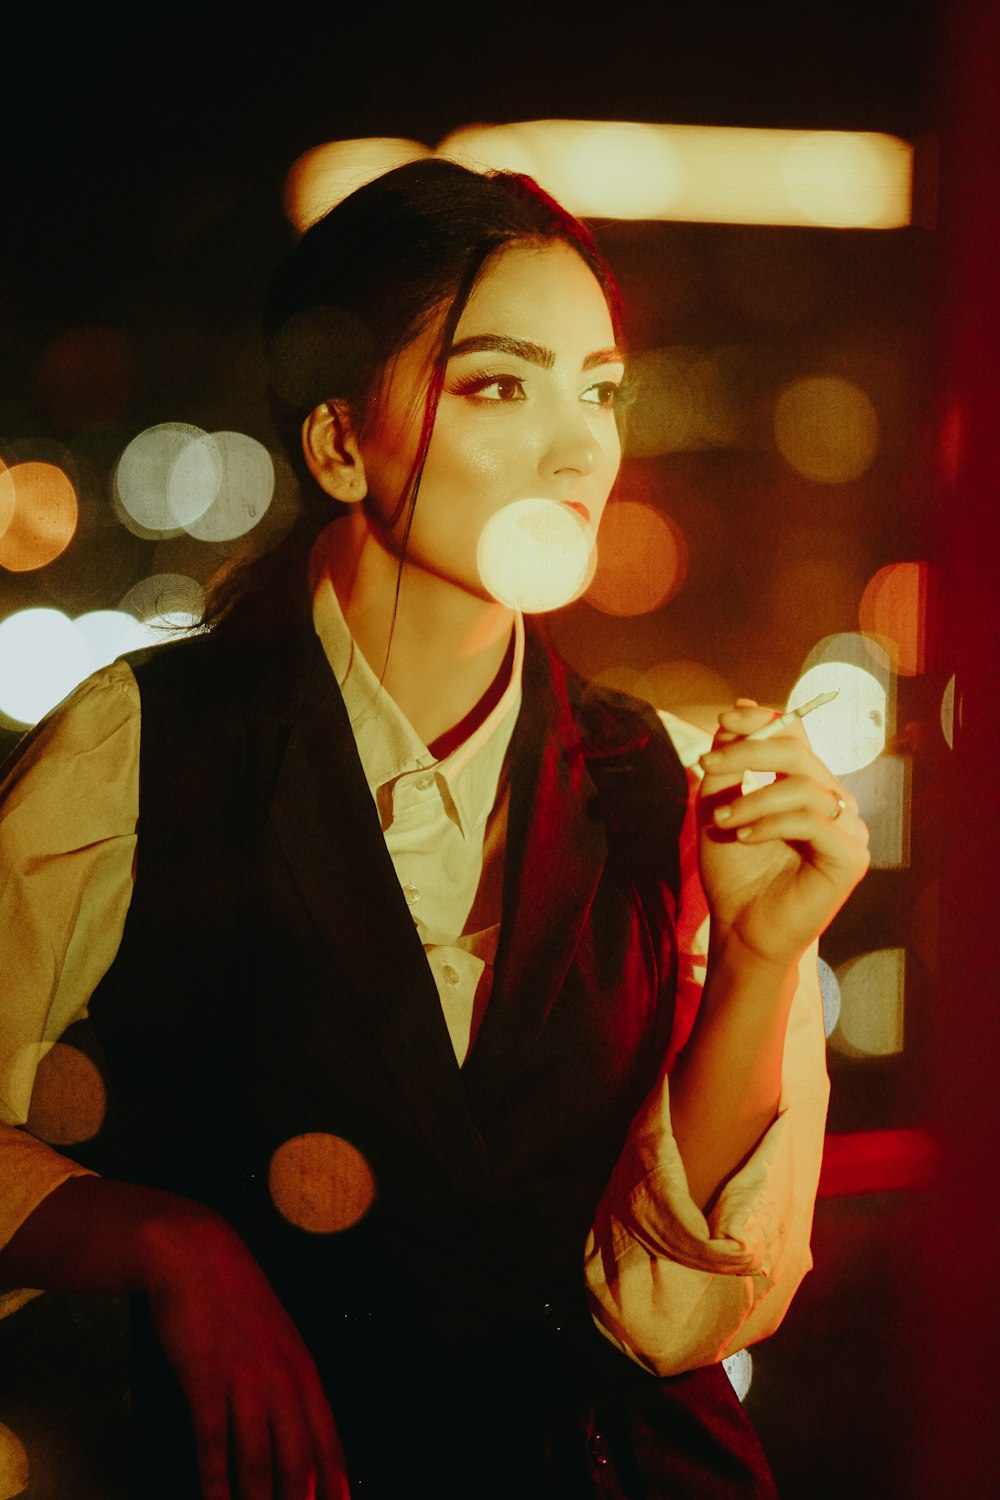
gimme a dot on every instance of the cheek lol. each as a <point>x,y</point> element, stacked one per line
<point>479,466</point>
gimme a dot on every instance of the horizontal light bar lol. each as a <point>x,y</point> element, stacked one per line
<point>703,173</point>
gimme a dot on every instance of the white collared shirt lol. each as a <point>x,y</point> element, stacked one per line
<point>443,820</point>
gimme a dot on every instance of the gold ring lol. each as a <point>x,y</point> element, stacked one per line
<point>841,804</point>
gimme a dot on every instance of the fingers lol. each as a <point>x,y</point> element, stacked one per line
<point>828,801</point>
<point>284,1448</point>
<point>252,1460</point>
<point>798,810</point>
<point>784,754</point>
<point>211,1431</point>
<point>330,1465</point>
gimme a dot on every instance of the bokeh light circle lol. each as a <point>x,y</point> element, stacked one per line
<point>536,555</point>
<point>826,428</point>
<point>145,485</point>
<point>6,497</point>
<point>642,560</point>
<point>68,1099</point>
<point>320,1183</point>
<point>894,609</point>
<point>871,1004</point>
<point>830,991</point>
<point>235,474</point>
<point>850,732</point>
<point>109,633</point>
<point>43,519</point>
<point>42,658</point>
<point>13,1465</point>
<point>166,603</point>
<point>948,712</point>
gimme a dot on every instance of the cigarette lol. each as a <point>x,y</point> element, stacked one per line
<point>774,726</point>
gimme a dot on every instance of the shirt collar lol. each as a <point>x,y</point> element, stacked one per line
<point>390,749</point>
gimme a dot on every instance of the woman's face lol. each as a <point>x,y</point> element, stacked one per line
<point>526,411</point>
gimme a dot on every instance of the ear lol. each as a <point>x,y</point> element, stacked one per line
<point>332,453</point>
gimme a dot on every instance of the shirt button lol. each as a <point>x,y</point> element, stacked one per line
<point>424,783</point>
<point>450,974</point>
<point>412,894</point>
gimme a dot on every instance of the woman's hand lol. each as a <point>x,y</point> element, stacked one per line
<point>777,863</point>
<point>259,1412</point>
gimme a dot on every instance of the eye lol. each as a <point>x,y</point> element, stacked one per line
<point>606,394</point>
<point>504,389</point>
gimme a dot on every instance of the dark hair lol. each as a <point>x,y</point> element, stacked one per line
<point>361,284</point>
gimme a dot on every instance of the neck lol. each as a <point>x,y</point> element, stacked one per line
<point>441,654</point>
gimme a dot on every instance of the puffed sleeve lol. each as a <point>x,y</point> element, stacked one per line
<point>69,799</point>
<point>674,1289</point>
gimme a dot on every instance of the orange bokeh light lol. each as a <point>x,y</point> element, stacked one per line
<point>6,498</point>
<point>894,609</point>
<point>43,519</point>
<point>68,1099</point>
<point>641,560</point>
<point>320,1182</point>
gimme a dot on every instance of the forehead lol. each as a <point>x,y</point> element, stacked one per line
<point>544,292</point>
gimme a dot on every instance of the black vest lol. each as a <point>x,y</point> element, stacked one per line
<point>270,983</point>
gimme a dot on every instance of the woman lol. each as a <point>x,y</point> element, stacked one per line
<point>405,896</point>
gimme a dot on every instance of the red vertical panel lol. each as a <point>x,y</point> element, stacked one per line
<point>954,1324</point>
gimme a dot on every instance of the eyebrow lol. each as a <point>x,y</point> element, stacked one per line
<point>535,354</point>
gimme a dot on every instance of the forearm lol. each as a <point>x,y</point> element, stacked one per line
<point>726,1087</point>
<point>92,1234</point>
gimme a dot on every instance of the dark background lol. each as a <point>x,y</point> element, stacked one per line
<point>141,189</point>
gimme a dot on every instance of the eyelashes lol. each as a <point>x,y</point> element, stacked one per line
<point>607,395</point>
<point>511,387</point>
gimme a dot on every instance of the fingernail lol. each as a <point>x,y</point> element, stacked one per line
<point>744,833</point>
<point>723,814</point>
<point>746,703</point>
<point>710,759</point>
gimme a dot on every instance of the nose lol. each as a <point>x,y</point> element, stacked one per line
<point>571,446</point>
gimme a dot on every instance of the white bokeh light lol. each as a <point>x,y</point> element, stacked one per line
<point>108,633</point>
<point>871,1004</point>
<point>850,732</point>
<point>147,486</point>
<point>536,555</point>
<point>830,991</point>
<point>165,602</point>
<point>236,475</point>
<point>42,658</point>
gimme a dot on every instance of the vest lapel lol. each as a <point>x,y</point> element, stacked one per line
<point>555,854</point>
<point>325,820</point>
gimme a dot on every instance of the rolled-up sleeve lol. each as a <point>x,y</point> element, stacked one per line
<point>675,1289</point>
<point>68,815</point>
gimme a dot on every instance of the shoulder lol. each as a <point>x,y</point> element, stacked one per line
<point>216,672</point>
<point>73,778</point>
<point>102,711</point>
